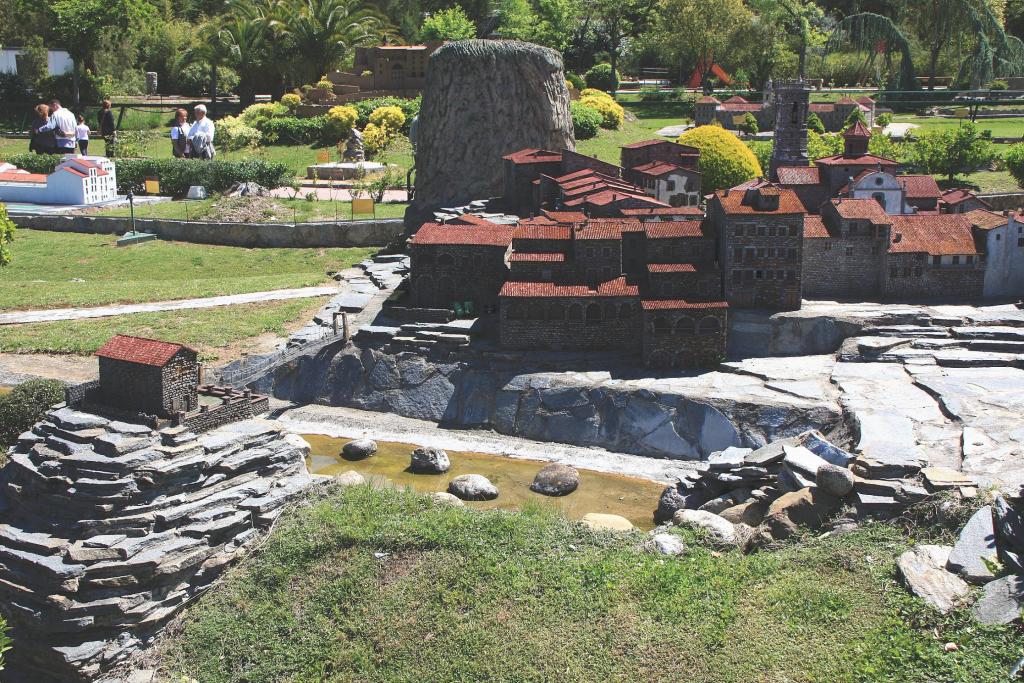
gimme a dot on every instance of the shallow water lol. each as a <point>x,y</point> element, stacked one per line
<point>635,499</point>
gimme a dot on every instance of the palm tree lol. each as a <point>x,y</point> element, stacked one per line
<point>323,32</point>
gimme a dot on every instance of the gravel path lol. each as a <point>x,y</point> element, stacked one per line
<point>50,315</point>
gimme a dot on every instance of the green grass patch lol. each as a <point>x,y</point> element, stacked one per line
<point>461,595</point>
<point>1010,127</point>
<point>46,268</point>
<point>284,210</point>
<point>205,329</point>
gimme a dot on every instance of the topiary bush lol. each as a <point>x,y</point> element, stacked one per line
<point>24,406</point>
<point>602,77</point>
<point>290,130</point>
<point>883,120</point>
<point>233,133</point>
<point>376,139</point>
<point>339,123</point>
<point>749,124</point>
<point>586,121</point>
<point>390,117</point>
<point>724,160</point>
<point>291,102</point>
<point>576,80</point>
<point>815,124</point>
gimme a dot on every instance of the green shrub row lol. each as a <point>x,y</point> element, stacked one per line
<point>290,130</point>
<point>22,408</point>
<point>409,107</point>
<point>176,175</point>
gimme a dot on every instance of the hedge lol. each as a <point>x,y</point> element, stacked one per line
<point>290,130</point>
<point>175,175</point>
<point>24,406</point>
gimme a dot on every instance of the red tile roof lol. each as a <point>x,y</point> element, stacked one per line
<point>671,268</point>
<point>541,232</point>
<point>986,220</point>
<point>606,197</point>
<point>565,216</point>
<point>616,287</point>
<point>607,230</point>
<point>744,106</point>
<point>864,209</point>
<point>799,175</point>
<point>865,100</point>
<point>470,219</point>
<point>846,99</point>
<point>476,235</point>
<point>732,202</point>
<point>955,196</point>
<point>862,160</point>
<point>657,168</point>
<point>736,99</point>
<point>821,107</point>
<point>708,99</point>
<point>526,257</point>
<point>679,304</point>
<point>15,177</point>
<point>531,155</point>
<point>140,350</point>
<point>646,143</point>
<point>857,130</point>
<point>814,227</point>
<point>937,234</point>
<point>673,229</point>
<point>920,186</point>
<point>582,173</point>
<point>665,211</point>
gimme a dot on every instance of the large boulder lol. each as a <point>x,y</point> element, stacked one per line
<point>472,487</point>
<point>923,569</point>
<point>556,479</point>
<point>602,520</point>
<point>359,449</point>
<point>485,99</point>
<point>976,544</point>
<point>1008,524</point>
<point>808,507</point>
<point>676,497</point>
<point>429,460</point>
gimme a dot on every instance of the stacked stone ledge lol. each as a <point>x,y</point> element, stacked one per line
<point>108,528</point>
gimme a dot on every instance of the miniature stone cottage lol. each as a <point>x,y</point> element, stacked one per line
<point>148,376</point>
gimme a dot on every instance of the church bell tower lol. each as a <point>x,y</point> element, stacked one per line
<point>791,103</point>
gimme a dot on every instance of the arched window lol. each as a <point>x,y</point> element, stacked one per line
<point>625,311</point>
<point>593,314</point>
<point>575,312</point>
<point>446,260</point>
<point>535,310</point>
<point>661,325</point>
<point>556,312</point>
<point>710,325</point>
<point>658,359</point>
<point>685,325</point>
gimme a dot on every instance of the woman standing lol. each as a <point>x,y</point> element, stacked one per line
<point>82,136</point>
<point>41,143</point>
<point>179,134</point>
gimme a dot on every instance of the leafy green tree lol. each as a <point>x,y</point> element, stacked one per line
<point>602,77</point>
<point>707,27</point>
<point>6,235</point>
<point>856,116</point>
<point>815,124</point>
<point>1015,162</point>
<point>951,152</point>
<point>619,21</point>
<point>749,124</point>
<point>448,24</point>
<point>325,32</point>
<point>586,121</point>
<point>820,146</point>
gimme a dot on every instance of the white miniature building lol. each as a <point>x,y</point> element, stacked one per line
<point>1003,238</point>
<point>76,180</point>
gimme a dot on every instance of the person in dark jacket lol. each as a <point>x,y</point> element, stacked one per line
<point>41,143</point>
<point>108,130</point>
<point>179,134</point>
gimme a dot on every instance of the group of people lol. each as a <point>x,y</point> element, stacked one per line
<point>56,130</point>
<point>192,140</point>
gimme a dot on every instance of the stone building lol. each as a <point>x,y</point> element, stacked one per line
<point>384,71</point>
<point>790,143</point>
<point>459,263</point>
<point>1002,240</point>
<point>148,376</point>
<point>760,245</point>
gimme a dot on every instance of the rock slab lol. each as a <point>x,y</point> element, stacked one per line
<point>1001,602</point>
<point>977,542</point>
<point>923,569</point>
<point>429,460</point>
<point>718,528</point>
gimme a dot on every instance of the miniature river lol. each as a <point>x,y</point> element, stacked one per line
<point>632,498</point>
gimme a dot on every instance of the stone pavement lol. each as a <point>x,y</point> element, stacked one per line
<point>53,314</point>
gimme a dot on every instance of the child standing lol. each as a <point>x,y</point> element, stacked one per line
<point>82,135</point>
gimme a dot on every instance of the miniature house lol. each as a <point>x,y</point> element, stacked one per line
<point>148,376</point>
<point>76,180</point>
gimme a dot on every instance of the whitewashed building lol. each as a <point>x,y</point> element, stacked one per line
<point>76,180</point>
<point>58,62</point>
<point>1003,240</point>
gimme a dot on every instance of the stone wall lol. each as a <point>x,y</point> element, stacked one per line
<point>370,233</point>
<point>761,257</point>
<point>110,528</point>
<point>571,323</point>
<point>845,267</point>
<point>235,409</point>
<point>911,276</point>
<point>688,338</point>
<point>443,274</point>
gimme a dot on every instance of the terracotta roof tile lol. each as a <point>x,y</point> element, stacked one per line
<point>733,202</point>
<point>736,99</point>
<point>857,130</point>
<point>707,99</point>
<point>470,219</point>
<point>745,106</point>
<point>532,155</point>
<point>15,177</point>
<point>475,235</point>
<point>605,197</point>
<point>942,234</point>
<point>986,220</point>
<point>865,209</point>
<point>675,229</point>
<point>565,216</point>
<point>799,175</point>
<point>616,287</point>
<point>607,230</point>
<point>958,195</point>
<point>821,107</point>
<point>671,268</point>
<point>679,304</point>
<point>862,160</point>
<point>814,227</point>
<point>541,232</point>
<point>920,186</point>
<point>664,211</point>
<point>140,350</point>
<point>657,168</point>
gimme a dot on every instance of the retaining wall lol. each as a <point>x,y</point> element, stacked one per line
<point>1004,201</point>
<point>368,233</point>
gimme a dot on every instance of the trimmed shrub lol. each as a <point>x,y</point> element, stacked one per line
<point>586,121</point>
<point>256,115</point>
<point>409,107</point>
<point>25,405</point>
<point>291,101</point>
<point>448,24</point>
<point>855,116</point>
<point>376,138</point>
<point>576,80</point>
<point>749,124</point>
<point>339,122</point>
<point>815,124</point>
<point>35,163</point>
<point>612,113</point>
<point>724,160</point>
<point>290,130</point>
<point>390,117</point>
<point>1014,159</point>
<point>602,77</point>
<point>233,133</point>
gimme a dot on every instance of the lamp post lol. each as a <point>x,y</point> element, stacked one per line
<point>131,208</point>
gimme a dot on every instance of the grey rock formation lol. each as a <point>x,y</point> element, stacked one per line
<point>472,487</point>
<point>718,529</point>
<point>977,543</point>
<point>834,479</point>
<point>1009,532</point>
<point>428,460</point>
<point>556,479</point>
<point>1002,601</point>
<point>923,569</point>
<point>350,478</point>
<point>110,529</point>
<point>485,99</point>
<point>666,544</point>
<point>360,448</point>
<point>808,507</point>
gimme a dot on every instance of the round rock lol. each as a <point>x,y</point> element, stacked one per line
<point>667,544</point>
<point>472,487</point>
<point>430,460</point>
<point>447,499</point>
<point>358,449</point>
<point>717,528</point>
<point>834,479</point>
<point>556,479</point>
<point>601,520</point>
<point>350,478</point>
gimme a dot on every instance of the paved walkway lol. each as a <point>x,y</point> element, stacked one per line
<point>54,314</point>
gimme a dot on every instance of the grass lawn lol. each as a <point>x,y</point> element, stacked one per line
<point>207,330</point>
<point>286,210</point>
<point>1001,128</point>
<point>45,266</point>
<point>382,585</point>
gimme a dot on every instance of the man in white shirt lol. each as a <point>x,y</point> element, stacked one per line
<point>62,122</point>
<point>200,135</point>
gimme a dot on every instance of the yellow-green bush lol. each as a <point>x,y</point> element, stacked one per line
<point>391,118</point>
<point>376,138</point>
<point>291,100</point>
<point>340,121</point>
<point>724,160</point>
<point>612,113</point>
<point>233,134</point>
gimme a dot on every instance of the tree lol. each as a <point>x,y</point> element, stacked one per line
<point>815,124</point>
<point>602,77</point>
<point>724,160</point>
<point>708,27</point>
<point>325,32</point>
<point>618,21</point>
<point>749,124</point>
<point>867,32</point>
<point>7,228</point>
<point>951,152</point>
<point>448,24</point>
<point>856,116</point>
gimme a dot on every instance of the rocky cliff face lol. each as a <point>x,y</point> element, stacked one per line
<point>485,99</point>
<point>107,529</point>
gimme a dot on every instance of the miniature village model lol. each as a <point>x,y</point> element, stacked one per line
<point>76,180</point>
<point>623,257</point>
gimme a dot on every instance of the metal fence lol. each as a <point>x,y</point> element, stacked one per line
<point>242,373</point>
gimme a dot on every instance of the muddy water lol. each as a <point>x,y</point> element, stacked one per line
<point>634,499</point>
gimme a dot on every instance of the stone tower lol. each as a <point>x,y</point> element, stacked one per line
<point>791,101</point>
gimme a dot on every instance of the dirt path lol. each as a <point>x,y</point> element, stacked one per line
<point>18,367</point>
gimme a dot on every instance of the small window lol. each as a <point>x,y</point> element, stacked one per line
<point>771,231</point>
<point>918,271</point>
<point>1020,241</point>
<point>589,252</point>
<point>737,254</point>
<point>894,272</point>
<point>790,274</point>
<point>956,260</point>
<point>936,260</point>
<point>792,231</point>
<point>759,274</point>
<point>828,245</point>
<point>760,252</point>
<point>875,249</point>
<point>606,252</point>
<point>593,314</point>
